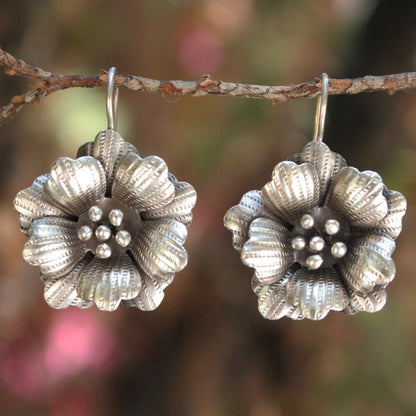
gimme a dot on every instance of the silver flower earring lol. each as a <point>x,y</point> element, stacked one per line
<point>108,227</point>
<point>319,235</point>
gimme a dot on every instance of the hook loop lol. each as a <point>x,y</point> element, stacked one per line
<point>112,99</point>
<point>321,109</point>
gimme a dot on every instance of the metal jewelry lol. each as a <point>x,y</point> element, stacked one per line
<point>108,227</point>
<point>319,235</point>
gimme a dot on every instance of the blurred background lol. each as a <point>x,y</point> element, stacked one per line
<point>206,351</point>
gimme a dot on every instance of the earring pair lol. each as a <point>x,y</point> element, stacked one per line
<point>109,227</point>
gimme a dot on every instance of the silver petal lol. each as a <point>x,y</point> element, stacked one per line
<point>180,209</point>
<point>368,262</point>
<point>371,302</point>
<point>316,292</point>
<point>85,150</point>
<point>358,196</point>
<point>158,247</point>
<point>326,162</point>
<point>267,250</point>
<point>31,204</point>
<point>61,293</point>
<point>75,185</point>
<point>272,299</point>
<point>239,217</point>
<point>293,190</point>
<point>109,147</point>
<point>151,295</point>
<point>54,246</point>
<point>107,282</point>
<point>143,184</point>
<point>391,224</point>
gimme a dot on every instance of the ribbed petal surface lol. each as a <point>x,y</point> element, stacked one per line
<point>109,147</point>
<point>358,196</point>
<point>108,282</point>
<point>143,184</point>
<point>54,246</point>
<point>326,162</point>
<point>293,190</point>
<point>61,293</point>
<point>158,248</point>
<point>239,217</point>
<point>391,224</point>
<point>317,292</point>
<point>371,302</point>
<point>75,185</point>
<point>31,204</point>
<point>267,250</point>
<point>180,209</point>
<point>272,299</point>
<point>368,262</point>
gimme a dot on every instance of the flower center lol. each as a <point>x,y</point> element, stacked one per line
<point>319,239</point>
<point>108,228</point>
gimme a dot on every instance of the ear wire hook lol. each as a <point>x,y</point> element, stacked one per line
<point>321,109</point>
<point>112,99</point>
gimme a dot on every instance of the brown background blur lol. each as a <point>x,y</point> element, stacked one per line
<point>206,351</point>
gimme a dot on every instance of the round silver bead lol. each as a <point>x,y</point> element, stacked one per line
<point>298,243</point>
<point>338,249</point>
<point>314,262</point>
<point>332,227</point>
<point>316,243</point>
<point>123,238</point>
<point>103,251</point>
<point>103,233</point>
<point>95,213</point>
<point>84,233</point>
<point>307,222</point>
<point>116,217</point>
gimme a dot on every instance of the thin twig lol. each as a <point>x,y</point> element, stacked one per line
<point>49,83</point>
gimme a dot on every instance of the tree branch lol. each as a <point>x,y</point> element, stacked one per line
<point>49,83</point>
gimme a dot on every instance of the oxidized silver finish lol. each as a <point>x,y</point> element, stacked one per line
<point>108,227</point>
<point>319,235</point>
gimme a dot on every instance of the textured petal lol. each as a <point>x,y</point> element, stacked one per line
<point>54,246</point>
<point>239,217</point>
<point>143,184</point>
<point>358,196</point>
<point>158,248</point>
<point>31,204</point>
<point>109,147</point>
<point>326,163</point>
<point>293,190</point>
<point>108,282</point>
<point>75,185</point>
<point>371,302</point>
<point>61,293</point>
<point>368,262</point>
<point>391,224</point>
<point>316,292</point>
<point>267,250</point>
<point>180,209</point>
<point>272,298</point>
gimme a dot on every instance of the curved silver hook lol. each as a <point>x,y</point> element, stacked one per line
<point>321,109</point>
<point>112,99</point>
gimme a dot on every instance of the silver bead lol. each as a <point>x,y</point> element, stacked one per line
<point>103,233</point>
<point>298,243</point>
<point>332,227</point>
<point>314,262</point>
<point>116,217</point>
<point>84,233</point>
<point>316,243</point>
<point>103,251</point>
<point>339,249</point>
<point>307,222</point>
<point>123,238</point>
<point>95,213</point>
